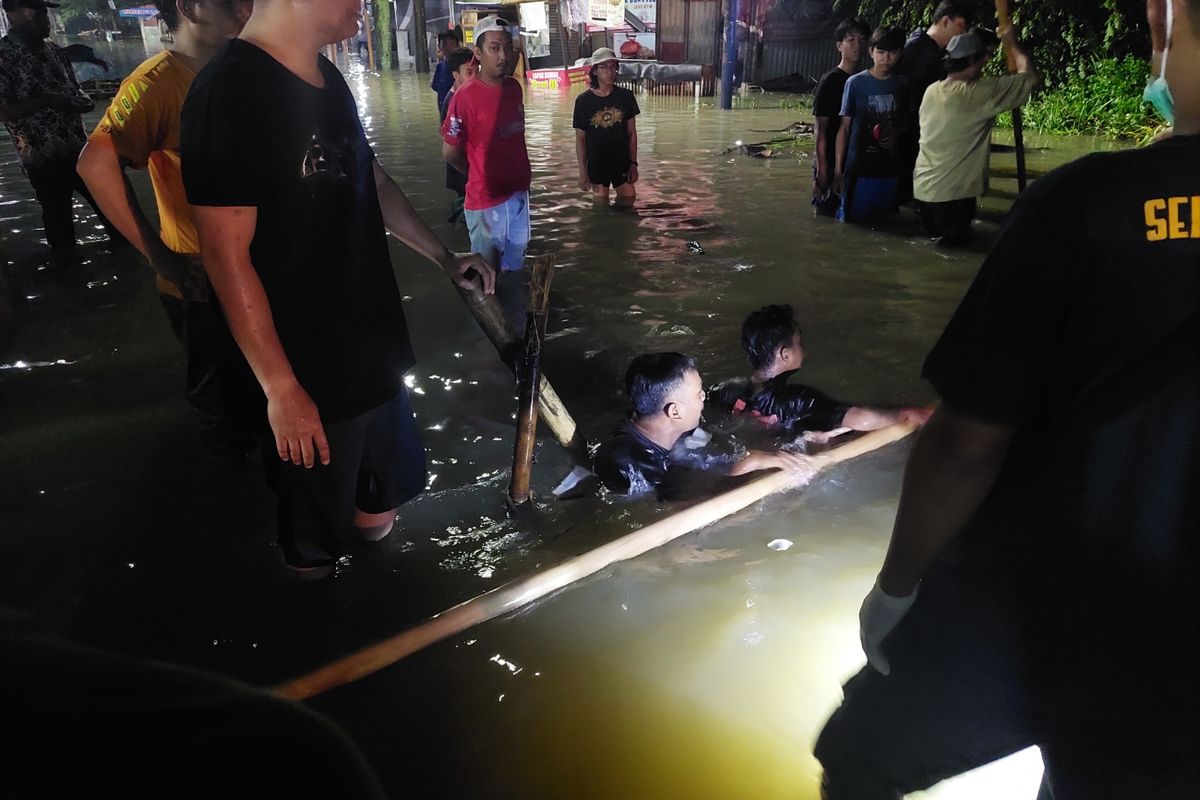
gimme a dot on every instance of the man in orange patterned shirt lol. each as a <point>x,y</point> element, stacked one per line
<point>141,130</point>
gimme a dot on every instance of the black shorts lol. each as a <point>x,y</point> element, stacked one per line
<point>377,462</point>
<point>609,173</point>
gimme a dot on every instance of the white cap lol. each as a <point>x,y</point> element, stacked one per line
<point>492,23</point>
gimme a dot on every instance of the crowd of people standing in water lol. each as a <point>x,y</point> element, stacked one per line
<point>1039,587</point>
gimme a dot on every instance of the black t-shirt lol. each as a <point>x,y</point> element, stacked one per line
<point>255,134</point>
<point>827,102</point>
<point>1081,331</point>
<point>603,120</point>
<point>921,63</point>
<point>793,406</point>
<point>629,463</point>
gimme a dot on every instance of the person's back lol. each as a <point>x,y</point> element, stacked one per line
<point>957,118</point>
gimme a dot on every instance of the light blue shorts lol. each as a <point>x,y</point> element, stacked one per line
<point>501,233</point>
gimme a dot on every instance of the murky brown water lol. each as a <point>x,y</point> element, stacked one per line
<point>704,669</point>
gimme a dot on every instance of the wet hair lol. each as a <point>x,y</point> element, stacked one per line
<point>890,39</point>
<point>849,26</point>
<point>453,33</point>
<point>652,377</point>
<point>168,12</point>
<point>953,9</point>
<point>990,41</point>
<point>455,60</point>
<point>765,331</point>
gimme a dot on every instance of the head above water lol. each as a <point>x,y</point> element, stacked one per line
<point>1181,59</point>
<point>461,64</point>
<point>771,338</point>
<point>211,22</point>
<point>29,19</point>
<point>969,53</point>
<point>851,38</point>
<point>300,24</point>
<point>604,68</point>
<point>449,41</point>
<point>886,44</point>
<point>493,48</point>
<point>951,18</point>
<point>665,390</point>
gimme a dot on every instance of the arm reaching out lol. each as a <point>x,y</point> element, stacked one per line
<point>403,221</point>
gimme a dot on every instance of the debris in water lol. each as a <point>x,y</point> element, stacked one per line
<point>779,544</point>
<point>572,480</point>
<point>694,247</point>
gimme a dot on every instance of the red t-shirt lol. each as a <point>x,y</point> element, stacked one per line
<point>488,123</point>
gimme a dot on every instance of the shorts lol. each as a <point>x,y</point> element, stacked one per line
<point>501,233</point>
<point>377,463</point>
<point>865,198</point>
<point>612,173</point>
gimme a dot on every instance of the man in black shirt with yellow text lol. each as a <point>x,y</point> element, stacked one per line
<point>1040,587</point>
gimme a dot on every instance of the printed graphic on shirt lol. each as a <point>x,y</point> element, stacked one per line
<point>322,158</point>
<point>131,94</point>
<point>607,118</point>
<point>454,126</point>
<point>1172,218</point>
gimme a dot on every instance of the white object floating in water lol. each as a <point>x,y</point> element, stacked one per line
<point>697,439</point>
<point>779,544</point>
<point>572,480</point>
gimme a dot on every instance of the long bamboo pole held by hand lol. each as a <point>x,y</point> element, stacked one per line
<point>512,596</point>
<point>1004,18</point>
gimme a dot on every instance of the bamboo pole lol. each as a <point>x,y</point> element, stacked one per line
<point>1005,19</point>
<point>512,596</point>
<point>529,373</point>
<point>490,316</point>
<point>370,43</point>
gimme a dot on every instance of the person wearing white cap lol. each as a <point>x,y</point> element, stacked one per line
<point>484,137</point>
<point>606,132</point>
<point>957,116</point>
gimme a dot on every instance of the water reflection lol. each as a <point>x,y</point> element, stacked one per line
<point>701,670</point>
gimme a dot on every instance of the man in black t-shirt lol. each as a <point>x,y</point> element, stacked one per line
<point>650,452</point>
<point>773,343</point>
<point>291,207</point>
<point>851,37</point>
<point>1050,514</point>
<point>920,64</point>
<point>605,123</point>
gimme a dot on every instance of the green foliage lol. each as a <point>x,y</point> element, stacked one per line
<point>1102,95</point>
<point>1061,35</point>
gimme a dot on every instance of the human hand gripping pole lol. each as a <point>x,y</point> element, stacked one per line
<point>879,615</point>
<point>463,267</point>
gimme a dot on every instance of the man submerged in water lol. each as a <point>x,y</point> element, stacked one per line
<point>774,346</point>
<point>653,448</point>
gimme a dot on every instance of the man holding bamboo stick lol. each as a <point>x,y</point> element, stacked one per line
<point>292,210</point>
<point>1040,587</point>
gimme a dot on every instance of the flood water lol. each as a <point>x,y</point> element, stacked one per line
<point>702,669</point>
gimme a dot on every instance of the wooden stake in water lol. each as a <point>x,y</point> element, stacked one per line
<point>1005,20</point>
<point>528,375</point>
<point>490,316</point>
<point>511,596</point>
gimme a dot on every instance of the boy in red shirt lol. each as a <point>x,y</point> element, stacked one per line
<point>484,137</point>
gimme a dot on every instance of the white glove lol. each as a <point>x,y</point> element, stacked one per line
<point>880,613</point>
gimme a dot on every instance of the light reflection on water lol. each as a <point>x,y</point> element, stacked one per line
<point>703,669</point>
